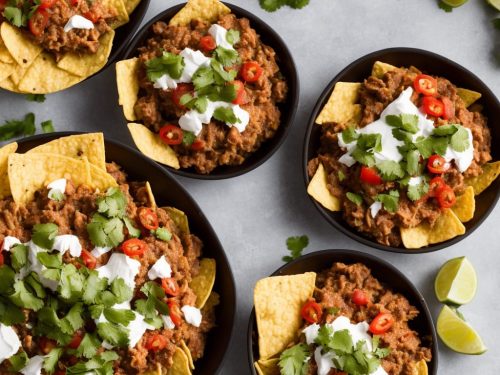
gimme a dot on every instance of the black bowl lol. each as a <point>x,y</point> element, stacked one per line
<point>385,272</point>
<point>288,109</point>
<point>168,191</point>
<point>433,64</point>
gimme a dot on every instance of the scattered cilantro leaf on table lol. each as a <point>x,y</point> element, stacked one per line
<point>15,128</point>
<point>295,245</point>
<point>38,98</point>
<point>445,7</point>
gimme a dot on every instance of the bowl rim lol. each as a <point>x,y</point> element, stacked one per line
<point>270,33</point>
<point>165,174</point>
<point>252,322</point>
<point>350,232</point>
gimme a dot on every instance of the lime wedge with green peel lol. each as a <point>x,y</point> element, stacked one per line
<point>457,334</point>
<point>454,3</point>
<point>456,282</point>
<point>494,3</point>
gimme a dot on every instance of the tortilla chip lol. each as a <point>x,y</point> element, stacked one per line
<point>5,56</point>
<point>468,96</point>
<point>203,283</point>
<point>179,218</point>
<point>31,172</point>
<point>6,70</point>
<point>341,106</point>
<point>128,86</point>
<point>206,10</point>
<point>180,365</point>
<point>481,182</point>
<point>420,368</point>
<point>465,205</point>
<point>121,12</point>
<point>100,179</point>
<point>318,189</point>
<point>7,84</point>
<point>415,238</point>
<point>212,301</point>
<point>380,68</point>
<point>151,197</point>
<point>278,301</point>
<point>22,50</point>
<point>88,64</point>
<point>267,366</point>
<point>188,354</point>
<point>5,151</point>
<point>44,77</point>
<point>150,145</point>
<point>18,73</point>
<point>130,5</point>
<point>89,145</point>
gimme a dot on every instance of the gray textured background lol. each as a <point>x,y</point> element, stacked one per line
<point>255,213</point>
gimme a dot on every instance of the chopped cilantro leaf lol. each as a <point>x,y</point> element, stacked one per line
<point>293,360</point>
<point>113,204</point>
<point>390,170</point>
<point>460,140</point>
<point>412,162</point>
<point>439,145</point>
<point>33,284</point>
<point>89,346</point>
<point>51,360</point>
<point>38,98</point>
<point>18,256</point>
<point>44,235</point>
<point>402,135</point>
<point>163,234</point>
<point>272,5</point>
<point>73,320</point>
<point>363,157</point>
<point>220,74</point>
<point>406,122</point>
<point>22,297</point>
<point>233,36</point>
<point>188,138</point>
<point>18,361</point>
<point>113,333</point>
<point>415,192</point>
<point>47,126</point>
<point>448,129</point>
<point>225,115</point>
<point>9,313</point>
<point>354,198</point>
<point>50,261</point>
<point>101,364</point>
<point>341,176</point>
<point>332,310</point>
<point>447,8</point>
<point>93,286</point>
<point>349,135</point>
<point>296,245</point>
<point>120,290</point>
<point>372,142</point>
<point>132,230</point>
<point>167,63</point>
<point>71,284</point>
<point>56,195</point>
<point>155,295</point>
<point>227,93</point>
<point>16,128</point>
<point>203,77</point>
<point>105,232</point>
<point>7,280</point>
<point>119,316</point>
<point>227,57</point>
<point>390,201</point>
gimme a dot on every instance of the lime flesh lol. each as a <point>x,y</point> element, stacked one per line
<point>495,4</point>
<point>455,3</point>
<point>457,334</point>
<point>456,282</point>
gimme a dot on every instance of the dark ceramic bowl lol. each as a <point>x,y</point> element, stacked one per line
<point>168,191</point>
<point>430,63</point>
<point>382,270</point>
<point>288,108</point>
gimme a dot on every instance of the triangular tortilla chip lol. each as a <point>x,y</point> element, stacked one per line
<point>318,189</point>
<point>23,50</point>
<point>128,86</point>
<point>6,69</point>
<point>267,366</point>
<point>380,68</point>
<point>5,56</point>
<point>465,205</point>
<point>341,106</point>
<point>484,180</point>
<point>468,96</point>
<point>180,365</point>
<point>130,5</point>
<point>5,151</point>
<point>203,283</point>
<point>121,12</point>
<point>207,10</point>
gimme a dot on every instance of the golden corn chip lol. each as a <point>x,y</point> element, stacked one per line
<point>128,86</point>
<point>188,354</point>
<point>420,368</point>
<point>341,106</point>
<point>318,189</point>
<point>180,366</point>
<point>212,301</point>
<point>468,96</point>
<point>465,205</point>
<point>89,145</point>
<point>100,179</point>
<point>203,283</point>
<point>207,10</point>
<point>481,182</point>
<point>380,68</point>
<point>7,84</point>
<point>5,56</point>
<point>6,69</point>
<point>121,12</point>
<point>18,74</point>
<point>22,50</point>
<point>130,5</point>
<point>267,366</point>
<point>179,218</point>
<point>5,151</point>
<point>278,301</point>
<point>151,197</point>
<point>150,145</point>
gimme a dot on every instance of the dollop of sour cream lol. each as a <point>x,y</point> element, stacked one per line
<point>67,242</point>
<point>56,187</point>
<point>9,342</point>
<point>120,265</point>
<point>34,366</point>
<point>220,36</point>
<point>98,251</point>
<point>192,315</point>
<point>160,270</point>
<point>375,208</point>
<point>78,22</point>
<point>9,242</point>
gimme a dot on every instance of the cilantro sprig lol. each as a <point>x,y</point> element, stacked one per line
<point>296,245</point>
<point>168,63</point>
<point>273,5</point>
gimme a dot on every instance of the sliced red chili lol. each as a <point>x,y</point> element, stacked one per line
<point>251,71</point>
<point>38,21</point>
<point>311,311</point>
<point>148,218</point>
<point>437,164</point>
<point>89,260</point>
<point>207,43</point>
<point>449,108</point>
<point>76,340</point>
<point>359,297</point>
<point>425,85</point>
<point>435,185</point>
<point>241,97</point>
<point>179,91</point>
<point>46,345</point>
<point>92,16</point>
<point>171,135</point>
<point>134,247</point>
<point>174,312</point>
<point>381,323</point>
<point>370,176</point>
<point>446,197</point>
<point>46,4</point>
<point>198,145</point>
<point>432,106</point>
<point>170,286</point>
<point>74,2</point>
<point>155,343</point>
<point>60,372</point>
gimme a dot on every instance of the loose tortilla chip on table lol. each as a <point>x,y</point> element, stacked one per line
<point>128,86</point>
<point>207,10</point>
<point>203,283</point>
<point>468,96</point>
<point>267,366</point>
<point>22,50</point>
<point>180,365</point>
<point>5,151</point>
<point>150,145</point>
<point>481,182</point>
<point>465,205</point>
<point>179,217</point>
<point>380,68</point>
<point>318,189</point>
<point>341,106</point>
<point>278,301</point>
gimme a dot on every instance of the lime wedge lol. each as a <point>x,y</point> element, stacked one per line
<point>457,334</point>
<point>456,282</point>
<point>494,3</point>
<point>454,3</point>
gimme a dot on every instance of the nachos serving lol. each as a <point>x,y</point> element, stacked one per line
<point>402,155</point>
<point>94,276</point>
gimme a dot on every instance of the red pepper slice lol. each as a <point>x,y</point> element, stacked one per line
<point>241,97</point>
<point>47,4</point>
<point>435,185</point>
<point>89,260</point>
<point>179,91</point>
<point>207,43</point>
<point>174,312</point>
<point>134,247</point>
<point>148,218</point>
<point>92,16</point>
<point>449,108</point>
<point>76,340</point>
<point>446,197</point>
<point>437,164</point>
<point>46,345</point>
<point>38,22</point>
<point>381,323</point>
<point>198,145</point>
<point>3,3</point>
<point>311,311</point>
<point>370,176</point>
<point>170,286</point>
<point>251,71</point>
<point>359,297</point>
<point>171,134</point>
<point>155,343</point>
<point>74,2</point>
<point>60,372</point>
<point>425,85</point>
<point>432,106</point>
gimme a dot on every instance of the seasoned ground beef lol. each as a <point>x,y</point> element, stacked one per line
<point>375,95</point>
<point>220,144</point>
<point>72,216</point>
<point>334,289</point>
